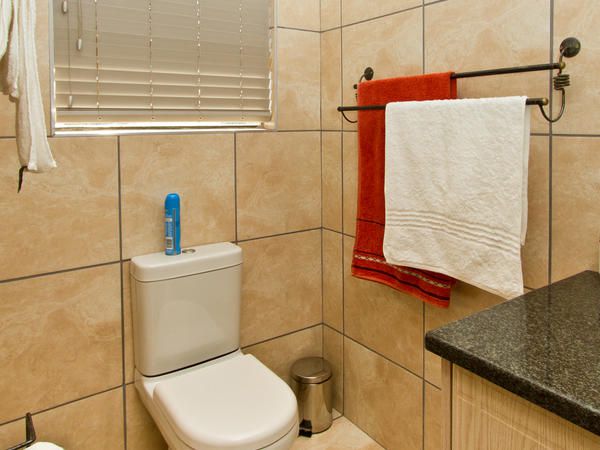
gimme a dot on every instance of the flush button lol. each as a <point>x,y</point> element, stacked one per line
<point>189,250</point>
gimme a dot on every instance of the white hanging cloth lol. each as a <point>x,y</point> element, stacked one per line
<point>19,79</point>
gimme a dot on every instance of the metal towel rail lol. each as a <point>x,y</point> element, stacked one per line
<point>568,48</point>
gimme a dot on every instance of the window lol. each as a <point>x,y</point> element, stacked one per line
<point>137,64</point>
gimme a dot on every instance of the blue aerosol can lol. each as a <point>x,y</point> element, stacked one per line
<point>172,225</point>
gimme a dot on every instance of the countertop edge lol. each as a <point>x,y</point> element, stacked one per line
<point>548,399</point>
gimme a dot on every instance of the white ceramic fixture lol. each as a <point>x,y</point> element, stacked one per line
<point>202,392</point>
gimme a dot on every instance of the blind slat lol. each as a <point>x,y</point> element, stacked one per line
<point>151,58</point>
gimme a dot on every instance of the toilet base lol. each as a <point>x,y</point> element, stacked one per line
<point>174,442</point>
<point>284,443</point>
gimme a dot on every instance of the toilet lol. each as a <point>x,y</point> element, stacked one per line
<point>200,389</point>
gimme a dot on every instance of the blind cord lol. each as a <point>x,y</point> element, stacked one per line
<point>241,59</point>
<point>151,68</point>
<point>79,44</point>
<point>198,59</point>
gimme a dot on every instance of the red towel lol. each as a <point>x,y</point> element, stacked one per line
<point>368,261</point>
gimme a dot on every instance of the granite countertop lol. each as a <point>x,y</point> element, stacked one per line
<point>543,346</point>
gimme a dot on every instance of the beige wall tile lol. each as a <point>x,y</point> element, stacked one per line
<point>281,285</point>
<point>433,418</point>
<point>331,73</point>
<point>64,218</point>
<point>332,180</point>
<point>383,319</point>
<point>333,310</point>
<point>390,45</point>
<point>304,14</point>
<point>7,117</point>
<point>299,73</point>
<point>94,423</point>
<point>357,10</point>
<point>142,432</point>
<point>466,300</point>
<point>580,19</point>
<point>333,351</point>
<point>12,433</point>
<point>382,399</point>
<point>462,35</point>
<point>330,14</point>
<point>575,207</point>
<point>61,338</point>
<point>128,324</point>
<point>199,167</point>
<point>7,108</point>
<point>343,434</point>
<point>535,250</point>
<point>279,354</point>
<point>278,183</point>
<point>350,181</point>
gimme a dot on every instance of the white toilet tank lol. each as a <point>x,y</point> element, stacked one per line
<point>186,308</point>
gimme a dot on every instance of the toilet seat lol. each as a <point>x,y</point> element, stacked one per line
<point>235,404</point>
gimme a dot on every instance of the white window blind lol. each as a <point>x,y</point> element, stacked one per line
<point>139,63</point>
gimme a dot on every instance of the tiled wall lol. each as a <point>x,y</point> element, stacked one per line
<point>65,314</point>
<point>391,386</point>
<point>288,198</point>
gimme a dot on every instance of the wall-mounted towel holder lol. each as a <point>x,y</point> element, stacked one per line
<point>568,48</point>
<point>30,436</point>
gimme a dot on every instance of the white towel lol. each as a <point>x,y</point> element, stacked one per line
<point>44,446</point>
<point>5,18</point>
<point>456,189</point>
<point>19,79</point>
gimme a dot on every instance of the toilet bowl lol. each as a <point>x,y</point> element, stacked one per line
<point>234,402</point>
<point>200,389</point>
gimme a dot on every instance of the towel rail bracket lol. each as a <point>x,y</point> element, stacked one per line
<point>30,436</point>
<point>569,48</point>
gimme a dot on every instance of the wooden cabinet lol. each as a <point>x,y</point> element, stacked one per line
<point>480,415</point>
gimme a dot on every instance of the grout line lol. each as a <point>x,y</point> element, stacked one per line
<point>279,27</point>
<point>332,328</point>
<point>423,309</point>
<point>431,384</point>
<point>57,272</point>
<point>550,149</point>
<point>424,353</point>
<point>60,405</point>
<point>577,135</point>
<point>385,357</point>
<point>287,131</point>
<point>371,19</point>
<point>123,369</point>
<point>331,29</point>
<point>435,2</point>
<point>279,234</point>
<point>341,137</point>
<point>320,18</point>
<point>322,190</point>
<point>332,230</point>
<point>281,335</point>
<point>235,191</point>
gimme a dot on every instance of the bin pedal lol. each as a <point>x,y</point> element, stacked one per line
<point>305,429</point>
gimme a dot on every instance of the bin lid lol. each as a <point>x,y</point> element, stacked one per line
<point>311,370</point>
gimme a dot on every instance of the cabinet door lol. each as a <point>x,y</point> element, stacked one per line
<point>487,417</point>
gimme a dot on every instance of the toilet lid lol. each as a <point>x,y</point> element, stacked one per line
<point>235,404</point>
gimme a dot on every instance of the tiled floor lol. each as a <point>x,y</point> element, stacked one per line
<point>343,435</point>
